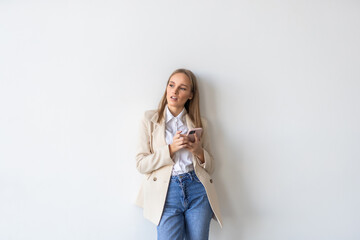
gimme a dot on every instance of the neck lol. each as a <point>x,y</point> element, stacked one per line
<point>175,111</point>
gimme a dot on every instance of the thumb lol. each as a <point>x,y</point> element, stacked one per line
<point>196,138</point>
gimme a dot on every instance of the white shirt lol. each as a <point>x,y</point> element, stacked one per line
<point>183,157</point>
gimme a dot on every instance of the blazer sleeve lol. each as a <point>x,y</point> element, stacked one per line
<point>148,160</point>
<point>208,164</point>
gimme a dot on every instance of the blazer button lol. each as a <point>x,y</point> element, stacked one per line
<point>154,178</point>
<point>211,180</point>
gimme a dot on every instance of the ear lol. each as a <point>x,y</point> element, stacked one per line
<point>191,96</point>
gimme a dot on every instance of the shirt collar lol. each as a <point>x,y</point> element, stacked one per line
<point>169,116</point>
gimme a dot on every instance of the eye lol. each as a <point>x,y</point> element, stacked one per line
<point>184,89</point>
<point>171,85</point>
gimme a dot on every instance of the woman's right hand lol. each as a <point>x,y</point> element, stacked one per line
<point>179,142</point>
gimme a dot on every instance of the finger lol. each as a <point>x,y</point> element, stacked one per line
<point>177,134</point>
<point>196,138</point>
<point>185,139</point>
<point>184,142</point>
<point>178,142</point>
<point>189,148</point>
<point>181,141</point>
<point>185,136</point>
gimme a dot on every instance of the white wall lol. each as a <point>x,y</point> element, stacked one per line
<point>280,86</point>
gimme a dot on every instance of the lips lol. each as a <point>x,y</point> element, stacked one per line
<point>173,98</point>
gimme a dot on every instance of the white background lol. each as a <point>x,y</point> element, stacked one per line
<point>280,85</point>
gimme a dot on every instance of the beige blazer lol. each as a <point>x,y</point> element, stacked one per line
<point>154,161</point>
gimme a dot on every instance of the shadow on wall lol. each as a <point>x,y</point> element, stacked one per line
<point>229,180</point>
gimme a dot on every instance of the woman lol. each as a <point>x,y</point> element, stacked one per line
<point>177,193</point>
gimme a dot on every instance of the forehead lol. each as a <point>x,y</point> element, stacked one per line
<point>180,78</point>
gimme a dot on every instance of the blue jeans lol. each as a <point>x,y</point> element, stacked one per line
<point>187,212</point>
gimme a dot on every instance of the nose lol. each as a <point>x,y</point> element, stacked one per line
<point>175,90</point>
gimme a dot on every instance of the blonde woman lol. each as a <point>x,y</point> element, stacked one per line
<point>178,193</point>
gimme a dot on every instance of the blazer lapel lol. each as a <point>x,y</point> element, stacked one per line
<point>159,131</point>
<point>190,126</point>
<point>189,123</point>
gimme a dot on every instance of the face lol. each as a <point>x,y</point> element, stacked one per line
<point>178,90</point>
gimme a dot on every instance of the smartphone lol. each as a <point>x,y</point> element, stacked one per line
<point>191,134</point>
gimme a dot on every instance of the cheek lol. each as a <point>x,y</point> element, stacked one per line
<point>185,96</point>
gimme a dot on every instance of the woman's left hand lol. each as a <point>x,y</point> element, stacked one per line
<point>196,148</point>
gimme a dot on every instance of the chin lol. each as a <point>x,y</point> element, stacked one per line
<point>174,104</point>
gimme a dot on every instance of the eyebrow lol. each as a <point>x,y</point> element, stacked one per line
<point>180,84</point>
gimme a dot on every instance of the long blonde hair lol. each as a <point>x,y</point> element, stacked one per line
<point>192,106</point>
